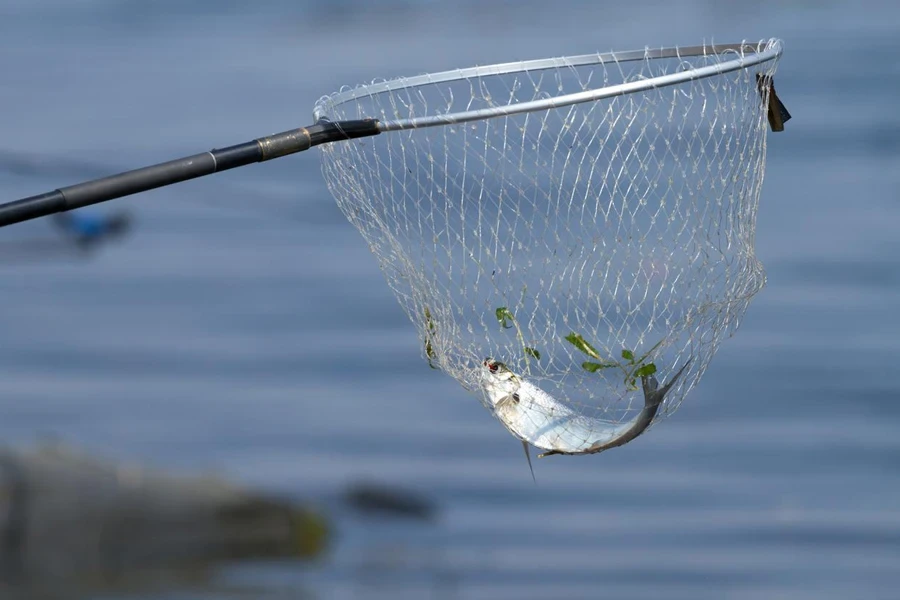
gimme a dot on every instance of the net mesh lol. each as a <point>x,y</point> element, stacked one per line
<point>585,247</point>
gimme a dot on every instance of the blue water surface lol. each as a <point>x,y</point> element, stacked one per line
<point>244,327</point>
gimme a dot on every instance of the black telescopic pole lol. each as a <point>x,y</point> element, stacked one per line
<point>182,169</point>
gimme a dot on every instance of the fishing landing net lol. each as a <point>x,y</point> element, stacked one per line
<point>572,238</point>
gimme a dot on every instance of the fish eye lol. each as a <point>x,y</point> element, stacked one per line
<point>515,397</point>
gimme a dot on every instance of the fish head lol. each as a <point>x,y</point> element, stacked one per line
<point>498,371</point>
<point>499,382</point>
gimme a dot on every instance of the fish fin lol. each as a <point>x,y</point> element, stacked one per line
<point>528,457</point>
<point>672,381</point>
<point>659,393</point>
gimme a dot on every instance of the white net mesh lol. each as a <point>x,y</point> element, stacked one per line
<point>582,247</point>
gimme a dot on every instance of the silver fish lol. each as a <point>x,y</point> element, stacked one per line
<point>539,419</point>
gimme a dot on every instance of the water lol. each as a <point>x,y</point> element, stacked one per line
<point>245,327</point>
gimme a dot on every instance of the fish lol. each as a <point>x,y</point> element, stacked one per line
<point>539,419</point>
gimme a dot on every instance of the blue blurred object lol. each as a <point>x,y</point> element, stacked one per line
<point>81,234</point>
<point>88,229</point>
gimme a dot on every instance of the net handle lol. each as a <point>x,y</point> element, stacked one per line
<point>763,52</point>
<point>182,169</point>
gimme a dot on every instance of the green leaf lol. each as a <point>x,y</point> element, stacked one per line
<point>646,370</point>
<point>580,343</point>
<point>628,355</point>
<point>593,367</point>
<point>533,352</point>
<point>504,316</point>
<point>430,353</point>
<point>429,349</point>
<point>428,320</point>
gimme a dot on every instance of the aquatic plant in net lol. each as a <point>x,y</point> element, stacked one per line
<point>572,238</point>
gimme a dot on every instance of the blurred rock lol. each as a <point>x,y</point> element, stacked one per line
<point>69,521</point>
<point>378,500</point>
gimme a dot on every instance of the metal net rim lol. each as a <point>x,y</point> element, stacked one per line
<point>745,55</point>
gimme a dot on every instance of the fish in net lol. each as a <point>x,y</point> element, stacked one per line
<point>562,260</point>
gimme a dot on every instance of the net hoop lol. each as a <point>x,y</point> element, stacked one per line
<point>576,251</point>
<point>746,55</point>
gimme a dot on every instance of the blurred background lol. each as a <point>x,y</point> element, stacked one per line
<point>215,333</point>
